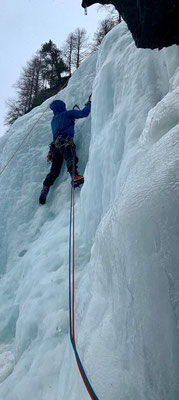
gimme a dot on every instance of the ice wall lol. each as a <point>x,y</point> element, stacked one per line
<point>127,251</point>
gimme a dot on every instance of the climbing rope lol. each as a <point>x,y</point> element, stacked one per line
<point>28,133</point>
<point>72,291</point>
<point>71,262</point>
<point>23,140</point>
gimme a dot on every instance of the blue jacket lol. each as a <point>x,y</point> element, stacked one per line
<point>63,120</point>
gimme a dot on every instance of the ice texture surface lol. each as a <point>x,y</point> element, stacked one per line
<point>127,237</point>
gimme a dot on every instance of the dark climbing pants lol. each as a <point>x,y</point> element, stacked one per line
<point>66,153</point>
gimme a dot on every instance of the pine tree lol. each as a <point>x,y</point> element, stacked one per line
<point>52,64</point>
<point>39,79</point>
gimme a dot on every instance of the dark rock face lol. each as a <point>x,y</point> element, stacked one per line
<point>153,23</point>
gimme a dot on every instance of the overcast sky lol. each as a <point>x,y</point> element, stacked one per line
<point>26,24</point>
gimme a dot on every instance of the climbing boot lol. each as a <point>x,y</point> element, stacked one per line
<point>43,194</point>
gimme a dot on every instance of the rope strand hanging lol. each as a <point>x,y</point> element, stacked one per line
<point>28,133</point>
<point>72,291</point>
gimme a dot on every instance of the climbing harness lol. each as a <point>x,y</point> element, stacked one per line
<point>72,290</point>
<point>67,140</point>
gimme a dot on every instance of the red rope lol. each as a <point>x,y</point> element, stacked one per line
<point>86,383</point>
<point>25,137</point>
<point>73,263</point>
<point>87,388</point>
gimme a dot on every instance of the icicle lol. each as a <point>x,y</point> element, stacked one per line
<point>85,9</point>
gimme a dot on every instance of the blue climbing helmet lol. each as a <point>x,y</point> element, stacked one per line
<point>58,106</point>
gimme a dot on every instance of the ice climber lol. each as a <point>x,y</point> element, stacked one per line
<point>63,147</point>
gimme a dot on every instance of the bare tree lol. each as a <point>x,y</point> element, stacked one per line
<point>80,47</point>
<point>28,87</point>
<point>29,84</point>
<point>67,52</point>
<point>14,111</point>
<point>113,13</point>
<point>103,28</point>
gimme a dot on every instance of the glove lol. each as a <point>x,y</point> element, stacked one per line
<point>49,156</point>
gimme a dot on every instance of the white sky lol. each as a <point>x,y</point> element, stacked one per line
<point>26,24</point>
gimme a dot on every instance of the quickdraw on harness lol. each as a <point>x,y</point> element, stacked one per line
<point>63,141</point>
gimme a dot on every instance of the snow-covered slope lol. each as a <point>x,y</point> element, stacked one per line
<point>127,237</point>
